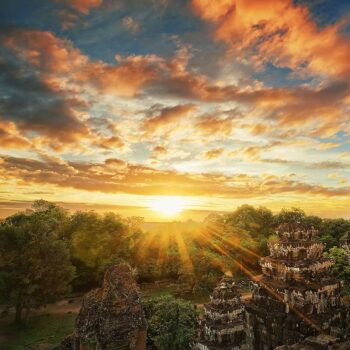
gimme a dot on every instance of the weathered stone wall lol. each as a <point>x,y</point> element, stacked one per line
<point>296,296</point>
<point>321,342</point>
<point>222,326</point>
<point>111,317</point>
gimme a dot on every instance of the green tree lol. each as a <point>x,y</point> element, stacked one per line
<point>98,241</point>
<point>341,267</point>
<point>253,225</point>
<point>297,216</point>
<point>171,322</point>
<point>289,216</point>
<point>333,230</point>
<point>35,266</point>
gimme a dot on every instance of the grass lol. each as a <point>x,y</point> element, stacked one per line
<point>153,290</point>
<point>43,329</point>
<point>198,298</point>
<point>159,292</point>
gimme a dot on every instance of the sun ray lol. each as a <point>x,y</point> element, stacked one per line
<point>145,245</point>
<point>236,245</point>
<point>164,244</point>
<point>183,251</point>
<point>254,277</point>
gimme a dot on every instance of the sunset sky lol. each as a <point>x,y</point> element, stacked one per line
<point>172,108</point>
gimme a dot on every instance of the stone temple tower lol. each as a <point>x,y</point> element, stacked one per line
<point>222,326</point>
<point>296,297</point>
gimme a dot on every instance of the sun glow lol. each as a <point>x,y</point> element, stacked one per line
<point>168,206</point>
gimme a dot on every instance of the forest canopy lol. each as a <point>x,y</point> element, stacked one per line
<point>47,246</point>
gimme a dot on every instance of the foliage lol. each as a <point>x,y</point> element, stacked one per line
<point>35,264</point>
<point>224,243</point>
<point>332,231</point>
<point>297,215</point>
<point>341,267</point>
<point>273,239</point>
<point>171,323</point>
<point>98,241</point>
<point>206,283</point>
<point>255,224</point>
<point>192,255</point>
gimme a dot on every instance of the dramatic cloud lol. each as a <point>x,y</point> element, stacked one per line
<point>116,78</point>
<point>83,6</point>
<point>59,62</point>
<point>44,50</point>
<point>142,180</point>
<point>215,125</point>
<point>110,142</point>
<point>10,137</point>
<point>35,105</point>
<point>278,31</point>
<point>232,100</point>
<point>167,117</point>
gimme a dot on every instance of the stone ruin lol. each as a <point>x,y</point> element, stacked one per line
<point>295,305</point>
<point>222,325</point>
<point>296,297</point>
<point>110,317</point>
<point>320,342</point>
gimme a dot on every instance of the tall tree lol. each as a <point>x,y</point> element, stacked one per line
<point>333,230</point>
<point>253,225</point>
<point>35,264</point>
<point>341,267</point>
<point>98,241</point>
<point>297,216</point>
<point>171,323</point>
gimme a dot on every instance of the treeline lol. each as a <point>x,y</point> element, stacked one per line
<point>46,252</point>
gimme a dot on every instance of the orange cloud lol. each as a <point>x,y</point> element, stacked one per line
<point>214,125</point>
<point>167,117</point>
<point>60,63</point>
<point>259,129</point>
<point>278,31</point>
<point>213,153</point>
<point>115,163</point>
<point>45,51</point>
<point>110,142</point>
<point>159,151</point>
<point>10,137</point>
<point>142,180</point>
<point>321,110</point>
<point>82,6</point>
<point>116,78</point>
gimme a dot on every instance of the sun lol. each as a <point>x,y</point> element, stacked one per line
<point>167,205</point>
